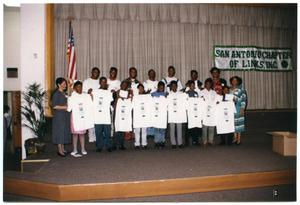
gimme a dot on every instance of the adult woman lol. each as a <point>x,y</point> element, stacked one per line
<point>240,99</point>
<point>61,118</point>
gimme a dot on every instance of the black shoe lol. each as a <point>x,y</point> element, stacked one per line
<point>222,143</point>
<point>157,145</point>
<point>174,146</point>
<point>98,150</point>
<point>137,147</point>
<point>61,155</point>
<point>145,147</point>
<point>114,148</point>
<point>162,144</point>
<point>181,146</point>
<point>122,147</point>
<point>109,150</point>
<point>195,143</point>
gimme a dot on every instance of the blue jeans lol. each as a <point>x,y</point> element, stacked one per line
<point>159,135</point>
<point>102,136</point>
<point>119,138</point>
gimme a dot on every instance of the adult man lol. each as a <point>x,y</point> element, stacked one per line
<point>151,84</point>
<point>171,77</point>
<point>89,85</point>
<point>194,78</point>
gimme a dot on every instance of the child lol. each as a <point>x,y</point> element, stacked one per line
<point>102,99</point>
<point>160,115</point>
<point>81,117</point>
<point>141,116</point>
<point>194,130</point>
<point>122,107</point>
<point>177,103</point>
<point>209,123</point>
<point>227,137</point>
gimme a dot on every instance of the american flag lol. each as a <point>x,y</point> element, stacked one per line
<point>72,72</point>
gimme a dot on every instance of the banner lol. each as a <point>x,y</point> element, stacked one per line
<point>252,58</point>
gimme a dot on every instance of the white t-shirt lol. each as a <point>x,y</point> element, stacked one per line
<point>113,84</point>
<point>81,106</point>
<point>123,118</point>
<point>142,110</point>
<point>177,106</point>
<point>159,116</point>
<point>150,85</point>
<point>225,117</point>
<point>195,110</point>
<point>210,98</point>
<point>168,81</point>
<point>101,105</point>
<point>90,83</point>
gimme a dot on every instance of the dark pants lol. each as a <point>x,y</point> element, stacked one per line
<point>226,138</point>
<point>194,134</point>
<point>119,138</point>
<point>102,136</point>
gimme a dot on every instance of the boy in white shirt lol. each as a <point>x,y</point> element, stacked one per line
<point>176,114</point>
<point>171,77</point>
<point>160,112</point>
<point>113,86</point>
<point>102,99</point>
<point>124,94</point>
<point>141,109</point>
<point>89,85</point>
<point>228,137</point>
<point>209,122</point>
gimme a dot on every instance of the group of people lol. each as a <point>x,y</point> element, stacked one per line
<point>110,110</point>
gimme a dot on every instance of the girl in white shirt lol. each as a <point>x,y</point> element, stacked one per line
<point>75,132</point>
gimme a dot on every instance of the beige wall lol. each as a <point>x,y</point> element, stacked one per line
<point>11,46</point>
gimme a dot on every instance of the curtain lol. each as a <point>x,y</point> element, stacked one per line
<point>158,35</point>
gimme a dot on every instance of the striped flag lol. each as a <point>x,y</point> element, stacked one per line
<point>72,72</point>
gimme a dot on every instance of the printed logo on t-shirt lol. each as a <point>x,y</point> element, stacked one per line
<point>208,114</point>
<point>226,116</point>
<point>123,115</point>
<point>100,104</point>
<point>174,104</point>
<point>195,109</point>
<point>156,109</point>
<point>81,110</point>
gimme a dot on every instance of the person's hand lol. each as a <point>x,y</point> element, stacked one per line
<point>90,91</point>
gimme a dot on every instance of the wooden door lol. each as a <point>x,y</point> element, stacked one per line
<point>16,118</point>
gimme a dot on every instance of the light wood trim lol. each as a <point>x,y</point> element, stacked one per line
<point>95,191</point>
<point>31,189</point>
<point>50,71</point>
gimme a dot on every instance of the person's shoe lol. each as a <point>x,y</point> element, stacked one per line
<point>114,148</point>
<point>181,146</point>
<point>137,147</point>
<point>66,152</point>
<point>162,144</point>
<point>174,146</point>
<point>156,145</point>
<point>145,147</point>
<point>84,152</point>
<point>204,145</point>
<point>109,150</point>
<point>222,143</point>
<point>98,150</point>
<point>122,147</point>
<point>195,143</point>
<point>61,155</point>
<point>238,143</point>
<point>76,154</point>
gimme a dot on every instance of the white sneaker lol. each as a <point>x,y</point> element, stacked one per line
<point>84,152</point>
<point>76,154</point>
